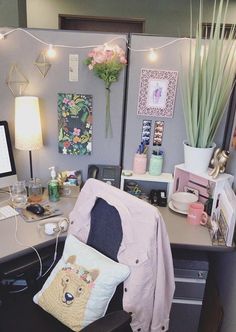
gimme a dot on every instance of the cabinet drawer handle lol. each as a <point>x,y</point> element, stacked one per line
<point>190,280</point>
<point>195,302</point>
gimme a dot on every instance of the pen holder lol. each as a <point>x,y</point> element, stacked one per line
<point>155,165</point>
<point>140,163</point>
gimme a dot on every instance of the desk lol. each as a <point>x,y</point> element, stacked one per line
<point>27,232</point>
<point>181,234</point>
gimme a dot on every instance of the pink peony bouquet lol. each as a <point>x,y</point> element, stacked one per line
<point>107,62</point>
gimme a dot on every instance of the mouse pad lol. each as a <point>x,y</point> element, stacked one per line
<point>49,212</point>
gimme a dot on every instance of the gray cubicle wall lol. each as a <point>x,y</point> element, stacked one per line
<point>22,49</point>
<point>169,58</point>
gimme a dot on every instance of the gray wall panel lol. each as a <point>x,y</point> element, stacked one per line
<point>174,129</point>
<point>21,49</point>
<point>169,58</point>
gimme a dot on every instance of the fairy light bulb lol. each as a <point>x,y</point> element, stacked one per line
<point>152,55</point>
<point>51,53</point>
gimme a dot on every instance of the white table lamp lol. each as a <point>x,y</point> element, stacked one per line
<point>28,131</point>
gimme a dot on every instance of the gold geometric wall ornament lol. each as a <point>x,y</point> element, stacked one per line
<point>42,63</point>
<point>16,81</point>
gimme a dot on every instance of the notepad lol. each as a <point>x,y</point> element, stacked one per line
<point>7,212</point>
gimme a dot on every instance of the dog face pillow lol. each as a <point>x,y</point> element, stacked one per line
<point>81,285</point>
<point>68,294</point>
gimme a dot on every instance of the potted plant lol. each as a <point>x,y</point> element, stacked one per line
<point>206,86</point>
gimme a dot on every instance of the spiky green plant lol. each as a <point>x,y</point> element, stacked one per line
<point>207,84</point>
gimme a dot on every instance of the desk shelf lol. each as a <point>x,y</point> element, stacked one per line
<point>163,178</point>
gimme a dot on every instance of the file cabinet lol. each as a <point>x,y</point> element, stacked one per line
<point>191,270</point>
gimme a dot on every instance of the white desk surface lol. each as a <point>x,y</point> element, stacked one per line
<point>181,234</point>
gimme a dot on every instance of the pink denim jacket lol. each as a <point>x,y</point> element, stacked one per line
<point>145,248</point>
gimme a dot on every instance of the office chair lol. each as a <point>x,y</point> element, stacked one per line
<point>19,313</point>
<point>127,230</point>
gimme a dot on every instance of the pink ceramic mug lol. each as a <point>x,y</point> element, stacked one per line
<point>196,214</point>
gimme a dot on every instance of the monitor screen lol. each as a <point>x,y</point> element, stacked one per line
<point>7,163</point>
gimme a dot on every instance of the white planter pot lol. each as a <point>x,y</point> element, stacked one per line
<point>197,160</point>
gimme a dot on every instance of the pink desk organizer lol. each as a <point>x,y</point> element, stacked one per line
<point>140,163</point>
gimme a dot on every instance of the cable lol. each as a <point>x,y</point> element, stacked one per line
<point>55,255</point>
<point>40,274</point>
<point>28,246</point>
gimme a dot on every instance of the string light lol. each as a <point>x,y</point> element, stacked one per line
<point>152,55</point>
<point>51,48</point>
<point>51,52</point>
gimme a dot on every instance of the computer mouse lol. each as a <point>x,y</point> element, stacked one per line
<point>35,208</point>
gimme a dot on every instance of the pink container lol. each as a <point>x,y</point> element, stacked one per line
<point>140,163</point>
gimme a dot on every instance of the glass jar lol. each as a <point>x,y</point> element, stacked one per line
<point>155,165</point>
<point>35,191</point>
<point>18,194</point>
<point>140,163</point>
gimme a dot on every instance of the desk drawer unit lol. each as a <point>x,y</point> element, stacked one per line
<point>190,279</point>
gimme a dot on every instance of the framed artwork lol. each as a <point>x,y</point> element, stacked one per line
<point>74,123</point>
<point>157,92</point>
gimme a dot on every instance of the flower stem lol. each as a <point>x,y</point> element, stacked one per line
<point>108,114</point>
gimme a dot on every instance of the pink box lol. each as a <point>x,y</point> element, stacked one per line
<point>202,184</point>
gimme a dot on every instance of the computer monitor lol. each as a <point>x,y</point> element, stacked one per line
<point>7,164</point>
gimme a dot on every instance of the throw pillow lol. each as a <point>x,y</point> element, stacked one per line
<point>81,285</point>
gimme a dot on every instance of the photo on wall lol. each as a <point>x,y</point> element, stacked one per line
<point>75,116</point>
<point>146,132</point>
<point>157,92</point>
<point>158,133</point>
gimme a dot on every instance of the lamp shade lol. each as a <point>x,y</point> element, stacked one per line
<point>28,131</point>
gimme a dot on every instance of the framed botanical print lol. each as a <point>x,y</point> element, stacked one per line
<point>74,123</point>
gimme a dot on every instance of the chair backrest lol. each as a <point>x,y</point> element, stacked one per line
<point>105,236</point>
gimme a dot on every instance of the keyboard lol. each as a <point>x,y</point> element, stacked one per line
<point>7,212</point>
